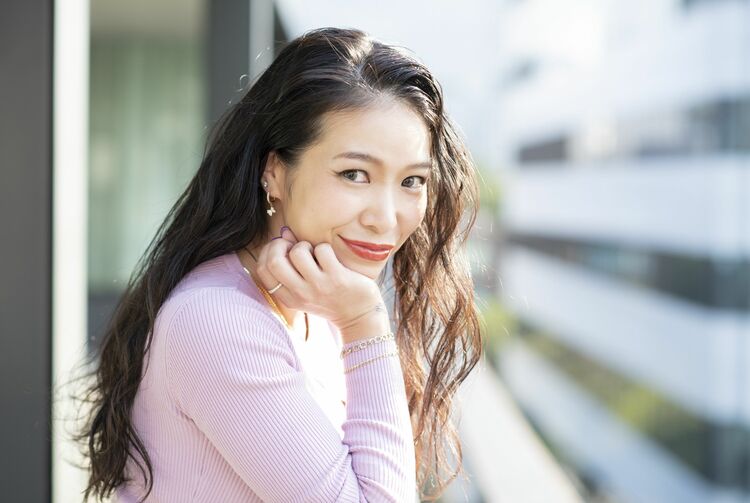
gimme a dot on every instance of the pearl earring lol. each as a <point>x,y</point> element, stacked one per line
<point>271,210</point>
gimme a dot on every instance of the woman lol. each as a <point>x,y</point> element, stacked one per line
<point>251,357</point>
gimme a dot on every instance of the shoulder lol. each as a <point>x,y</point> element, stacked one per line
<point>218,339</point>
<point>212,314</point>
<point>209,295</point>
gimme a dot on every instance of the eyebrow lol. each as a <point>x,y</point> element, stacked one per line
<point>369,158</point>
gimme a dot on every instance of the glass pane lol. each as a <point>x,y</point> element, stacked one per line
<point>147,102</point>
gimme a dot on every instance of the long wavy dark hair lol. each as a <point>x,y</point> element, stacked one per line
<point>437,326</point>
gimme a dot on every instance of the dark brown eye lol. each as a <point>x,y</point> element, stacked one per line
<point>347,172</point>
<point>424,180</point>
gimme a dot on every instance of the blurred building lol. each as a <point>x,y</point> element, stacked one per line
<point>624,130</point>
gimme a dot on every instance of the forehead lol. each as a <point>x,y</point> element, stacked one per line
<point>389,131</point>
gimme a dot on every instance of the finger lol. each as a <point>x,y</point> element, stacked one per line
<point>287,234</point>
<point>262,256</point>
<point>303,260</point>
<point>279,266</point>
<point>326,257</point>
<point>262,272</point>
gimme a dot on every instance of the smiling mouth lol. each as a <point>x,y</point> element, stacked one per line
<point>367,252</point>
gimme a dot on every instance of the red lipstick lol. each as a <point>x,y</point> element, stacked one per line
<point>369,251</point>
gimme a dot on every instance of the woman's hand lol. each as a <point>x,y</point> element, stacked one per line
<point>315,281</point>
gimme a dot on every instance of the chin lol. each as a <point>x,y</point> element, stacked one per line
<point>371,272</point>
<point>373,275</point>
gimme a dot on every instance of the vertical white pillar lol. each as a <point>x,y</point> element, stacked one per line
<point>70,100</point>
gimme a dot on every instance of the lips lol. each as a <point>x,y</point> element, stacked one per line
<point>370,246</point>
<point>369,251</point>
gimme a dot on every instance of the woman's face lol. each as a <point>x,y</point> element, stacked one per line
<point>365,180</point>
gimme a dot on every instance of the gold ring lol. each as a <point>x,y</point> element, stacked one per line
<point>275,288</point>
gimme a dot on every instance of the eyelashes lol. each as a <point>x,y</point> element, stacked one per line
<point>344,174</point>
<point>422,184</point>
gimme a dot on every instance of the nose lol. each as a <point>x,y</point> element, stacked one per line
<point>381,212</point>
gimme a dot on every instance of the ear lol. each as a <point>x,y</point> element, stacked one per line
<point>274,173</point>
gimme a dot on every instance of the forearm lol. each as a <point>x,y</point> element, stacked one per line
<point>378,427</point>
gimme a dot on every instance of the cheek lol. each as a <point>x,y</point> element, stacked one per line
<point>322,209</point>
<point>412,218</point>
<point>416,213</point>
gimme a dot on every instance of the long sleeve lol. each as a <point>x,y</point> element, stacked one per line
<point>231,368</point>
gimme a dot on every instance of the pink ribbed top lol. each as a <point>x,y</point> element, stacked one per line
<point>233,407</point>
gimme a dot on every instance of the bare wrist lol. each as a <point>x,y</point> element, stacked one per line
<point>374,321</point>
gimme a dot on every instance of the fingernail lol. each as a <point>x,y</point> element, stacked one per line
<point>282,229</point>
<point>277,237</point>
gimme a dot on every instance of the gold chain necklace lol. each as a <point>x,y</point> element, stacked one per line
<point>272,302</point>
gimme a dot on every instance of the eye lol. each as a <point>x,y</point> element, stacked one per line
<point>424,180</point>
<point>350,171</point>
